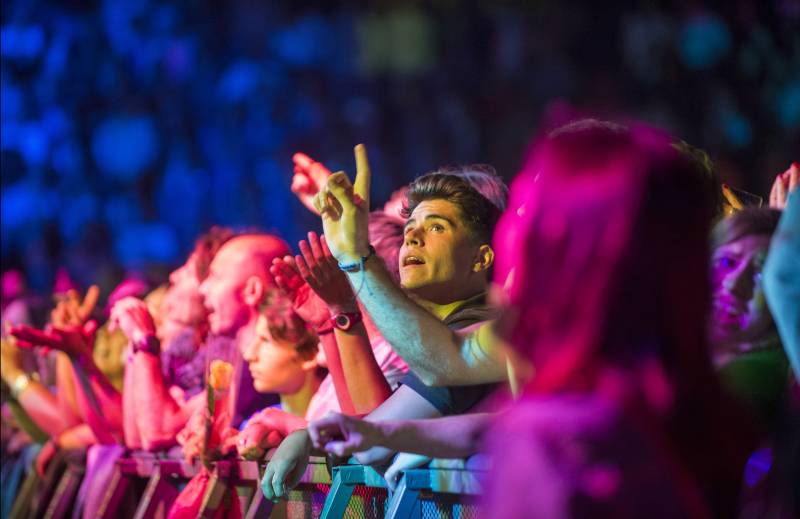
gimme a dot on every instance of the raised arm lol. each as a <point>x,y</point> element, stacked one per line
<point>99,402</point>
<point>437,355</point>
<point>36,400</point>
<point>782,269</point>
<point>366,383</point>
<point>158,416</point>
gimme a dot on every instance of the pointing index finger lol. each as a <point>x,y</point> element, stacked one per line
<point>363,174</point>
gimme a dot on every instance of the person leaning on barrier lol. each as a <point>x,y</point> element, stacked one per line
<point>440,328</point>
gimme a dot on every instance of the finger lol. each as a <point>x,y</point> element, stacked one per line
<point>302,184</point>
<point>89,328</point>
<point>319,173</point>
<point>308,254</point>
<point>72,297</point>
<point>302,161</point>
<point>278,480</point>
<point>794,176</point>
<point>363,175</point>
<point>305,272</point>
<point>89,302</point>
<point>773,192</point>
<point>780,194</point>
<point>34,336</point>
<point>266,483</point>
<point>326,251</point>
<point>339,192</point>
<point>316,248</point>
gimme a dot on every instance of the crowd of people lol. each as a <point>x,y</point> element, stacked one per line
<point>618,331</point>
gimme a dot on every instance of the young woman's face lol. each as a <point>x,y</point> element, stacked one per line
<point>739,312</point>
<point>275,365</point>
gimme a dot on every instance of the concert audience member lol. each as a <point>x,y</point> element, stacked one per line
<point>166,378</point>
<point>746,347</point>
<point>444,263</point>
<point>237,284</point>
<point>608,302</point>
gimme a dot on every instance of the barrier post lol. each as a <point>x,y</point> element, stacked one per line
<point>345,478</point>
<point>404,502</point>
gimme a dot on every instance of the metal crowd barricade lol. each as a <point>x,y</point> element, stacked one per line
<point>145,485</point>
<point>447,488</point>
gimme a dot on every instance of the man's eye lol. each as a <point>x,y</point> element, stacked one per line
<point>725,262</point>
<point>437,227</point>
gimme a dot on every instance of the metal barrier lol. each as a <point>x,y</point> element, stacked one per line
<point>144,485</point>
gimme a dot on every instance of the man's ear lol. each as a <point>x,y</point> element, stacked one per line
<point>308,365</point>
<point>253,292</point>
<point>484,259</point>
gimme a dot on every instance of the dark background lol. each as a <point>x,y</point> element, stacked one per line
<point>130,126</point>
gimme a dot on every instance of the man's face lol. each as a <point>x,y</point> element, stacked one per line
<point>739,311</point>
<point>437,257</point>
<point>275,365</point>
<point>183,304</point>
<point>223,291</point>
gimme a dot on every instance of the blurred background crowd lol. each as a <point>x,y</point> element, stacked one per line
<point>128,127</point>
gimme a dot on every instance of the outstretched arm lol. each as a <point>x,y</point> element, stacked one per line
<point>437,355</point>
<point>448,437</point>
<point>100,404</point>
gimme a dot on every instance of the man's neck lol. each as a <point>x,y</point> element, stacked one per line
<point>442,310</point>
<point>297,403</point>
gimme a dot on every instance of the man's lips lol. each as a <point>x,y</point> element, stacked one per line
<point>412,260</point>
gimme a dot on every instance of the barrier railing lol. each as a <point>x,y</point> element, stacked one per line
<point>144,485</point>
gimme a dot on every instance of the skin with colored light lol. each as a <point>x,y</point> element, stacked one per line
<point>740,313</point>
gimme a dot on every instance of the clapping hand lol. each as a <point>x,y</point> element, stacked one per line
<point>131,315</point>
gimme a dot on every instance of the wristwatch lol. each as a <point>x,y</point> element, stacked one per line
<point>345,320</point>
<point>149,344</point>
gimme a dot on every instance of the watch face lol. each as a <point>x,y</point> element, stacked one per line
<point>342,322</point>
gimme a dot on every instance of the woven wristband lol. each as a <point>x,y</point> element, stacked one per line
<point>358,265</point>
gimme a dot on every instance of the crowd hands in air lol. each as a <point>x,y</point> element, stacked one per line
<point>583,307</point>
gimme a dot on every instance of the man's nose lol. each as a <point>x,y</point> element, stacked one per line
<point>414,237</point>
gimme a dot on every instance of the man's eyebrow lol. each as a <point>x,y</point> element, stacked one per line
<point>440,217</point>
<point>429,217</point>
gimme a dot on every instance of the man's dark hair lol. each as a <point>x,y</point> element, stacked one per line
<point>754,221</point>
<point>207,246</point>
<point>478,213</point>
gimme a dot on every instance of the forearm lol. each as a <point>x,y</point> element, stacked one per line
<point>432,351</point>
<point>449,437</point>
<point>366,383</point>
<point>100,403</point>
<point>782,280</point>
<point>336,370</point>
<point>41,407</point>
<point>158,416</point>
<point>76,437</point>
